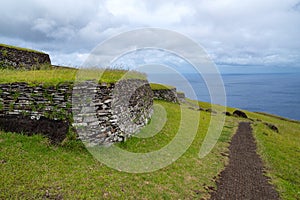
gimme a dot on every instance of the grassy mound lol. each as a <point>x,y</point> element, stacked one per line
<point>20,48</point>
<point>157,86</point>
<point>55,76</point>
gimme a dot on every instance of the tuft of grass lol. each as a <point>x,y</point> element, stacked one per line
<point>20,48</point>
<point>156,86</point>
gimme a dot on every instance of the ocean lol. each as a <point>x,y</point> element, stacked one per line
<point>275,93</point>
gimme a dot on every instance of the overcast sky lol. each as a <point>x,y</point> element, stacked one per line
<point>233,32</point>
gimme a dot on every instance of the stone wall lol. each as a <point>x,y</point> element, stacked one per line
<point>100,113</point>
<point>19,58</point>
<point>166,94</point>
<point>106,114</point>
<point>181,96</point>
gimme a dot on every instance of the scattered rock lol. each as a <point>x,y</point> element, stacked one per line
<point>168,94</point>
<point>209,188</point>
<point>224,154</point>
<point>197,191</point>
<point>238,113</point>
<point>3,161</point>
<point>227,113</point>
<point>181,96</point>
<point>272,127</point>
<point>191,108</point>
<point>201,109</point>
<point>211,111</point>
<point>265,133</point>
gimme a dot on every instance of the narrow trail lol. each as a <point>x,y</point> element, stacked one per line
<point>243,177</point>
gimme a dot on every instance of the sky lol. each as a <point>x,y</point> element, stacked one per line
<point>232,32</point>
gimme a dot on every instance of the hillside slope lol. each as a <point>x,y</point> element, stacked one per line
<point>31,168</point>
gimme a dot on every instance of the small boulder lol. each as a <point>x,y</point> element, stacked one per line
<point>238,113</point>
<point>227,113</point>
<point>272,127</point>
<point>201,109</point>
<point>211,111</point>
<point>191,108</point>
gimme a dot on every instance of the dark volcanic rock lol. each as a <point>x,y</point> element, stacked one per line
<point>201,109</point>
<point>211,111</point>
<point>238,113</point>
<point>227,113</point>
<point>272,126</point>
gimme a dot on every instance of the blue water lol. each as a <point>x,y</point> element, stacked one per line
<point>272,93</point>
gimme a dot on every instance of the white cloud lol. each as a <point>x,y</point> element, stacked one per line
<point>232,31</point>
<point>75,59</point>
<point>156,14</point>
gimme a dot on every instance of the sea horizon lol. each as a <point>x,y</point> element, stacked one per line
<point>276,93</point>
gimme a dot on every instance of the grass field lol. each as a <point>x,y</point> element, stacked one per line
<point>31,168</point>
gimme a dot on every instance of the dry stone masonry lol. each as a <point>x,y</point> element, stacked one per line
<point>36,101</point>
<point>36,109</point>
<point>101,113</point>
<point>19,58</point>
<point>106,114</point>
<point>181,96</point>
<point>169,94</point>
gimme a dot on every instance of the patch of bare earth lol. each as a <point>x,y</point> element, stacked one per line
<point>243,178</point>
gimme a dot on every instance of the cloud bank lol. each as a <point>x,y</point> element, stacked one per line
<point>233,32</point>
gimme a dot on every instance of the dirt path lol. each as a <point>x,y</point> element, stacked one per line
<point>243,177</point>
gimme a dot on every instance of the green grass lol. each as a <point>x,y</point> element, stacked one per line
<point>56,75</point>
<point>280,153</point>
<point>20,48</point>
<point>278,117</point>
<point>109,75</point>
<point>156,86</point>
<point>30,168</point>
